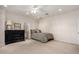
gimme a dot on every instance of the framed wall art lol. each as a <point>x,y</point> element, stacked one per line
<point>17,26</point>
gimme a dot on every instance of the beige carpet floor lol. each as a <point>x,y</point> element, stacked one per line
<point>35,47</point>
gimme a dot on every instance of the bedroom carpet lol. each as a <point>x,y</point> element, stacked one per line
<point>35,47</point>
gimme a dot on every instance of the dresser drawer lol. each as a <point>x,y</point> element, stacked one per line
<point>12,36</point>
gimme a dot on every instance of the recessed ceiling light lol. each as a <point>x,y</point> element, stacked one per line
<point>27,13</point>
<point>5,5</point>
<point>59,9</point>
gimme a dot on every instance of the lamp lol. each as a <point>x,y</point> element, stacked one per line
<point>9,22</point>
<point>8,25</point>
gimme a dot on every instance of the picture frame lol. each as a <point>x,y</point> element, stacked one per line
<point>17,26</point>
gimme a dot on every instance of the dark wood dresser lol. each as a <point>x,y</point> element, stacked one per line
<point>12,36</point>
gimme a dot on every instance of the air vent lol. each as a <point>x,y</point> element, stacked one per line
<point>46,13</point>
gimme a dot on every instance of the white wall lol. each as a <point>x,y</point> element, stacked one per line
<point>63,27</point>
<point>2,20</point>
<point>20,18</point>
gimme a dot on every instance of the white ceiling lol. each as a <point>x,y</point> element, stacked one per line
<point>51,10</point>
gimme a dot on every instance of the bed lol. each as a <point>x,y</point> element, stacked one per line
<point>36,34</point>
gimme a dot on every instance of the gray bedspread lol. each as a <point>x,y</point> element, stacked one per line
<point>43,37</point>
